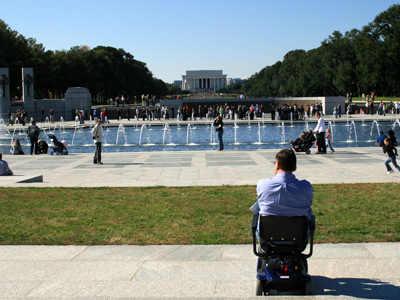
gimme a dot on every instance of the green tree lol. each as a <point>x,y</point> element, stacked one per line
<point>357,62</point>
<point>106,71</point>
<point>14,53</point>
<point>384,32</point>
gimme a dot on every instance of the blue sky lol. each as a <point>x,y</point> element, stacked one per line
<point>172,36</point>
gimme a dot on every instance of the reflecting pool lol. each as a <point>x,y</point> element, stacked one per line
<point>190,137</point>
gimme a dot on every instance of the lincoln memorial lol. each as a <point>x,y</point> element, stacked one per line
<point>203,80</point>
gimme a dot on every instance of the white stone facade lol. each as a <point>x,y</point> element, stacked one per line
<point>203,80</point>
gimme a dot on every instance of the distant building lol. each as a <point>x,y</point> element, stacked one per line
<point>235,80</point>
<point>203,80</point>
<point>177,83</point>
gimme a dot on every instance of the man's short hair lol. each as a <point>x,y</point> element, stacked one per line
<point>317,113</point>
<point>287,160</point>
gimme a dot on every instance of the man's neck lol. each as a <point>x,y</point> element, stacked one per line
<point>282,171</point>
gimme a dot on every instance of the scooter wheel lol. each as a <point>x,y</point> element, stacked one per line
<point>258,288</point>
<point>308,288</point>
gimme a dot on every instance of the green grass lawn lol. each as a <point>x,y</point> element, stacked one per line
<point>379,99</point>
<point>193,215</point>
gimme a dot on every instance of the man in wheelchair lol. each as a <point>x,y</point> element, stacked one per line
<point>283,224</point>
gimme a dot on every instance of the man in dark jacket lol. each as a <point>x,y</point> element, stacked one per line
<point>33,134</point>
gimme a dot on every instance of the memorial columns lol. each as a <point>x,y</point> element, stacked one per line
<point>203,80</point>
<point>4,93</point>
<point>28,89</point>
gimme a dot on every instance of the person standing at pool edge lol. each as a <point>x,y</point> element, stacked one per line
<point>33,134</point>
<point>97,133</point>
<point>219,128</point>
<point>320,130</point>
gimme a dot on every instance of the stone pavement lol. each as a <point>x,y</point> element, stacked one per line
<point>193,168</point>
<point>339,271</point>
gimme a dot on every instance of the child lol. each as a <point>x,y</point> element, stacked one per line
<point>391,152</point>
<point>329,139</point>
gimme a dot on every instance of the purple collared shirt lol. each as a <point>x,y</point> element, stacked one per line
<point>284,195</point>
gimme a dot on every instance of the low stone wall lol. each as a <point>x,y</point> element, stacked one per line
<point>328,103</point>
<point>75,98</point>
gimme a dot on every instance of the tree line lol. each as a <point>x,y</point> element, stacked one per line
<point>106,71</point>
<point>359,61</point>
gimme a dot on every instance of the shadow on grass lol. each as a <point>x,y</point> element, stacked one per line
<point>355,287</point>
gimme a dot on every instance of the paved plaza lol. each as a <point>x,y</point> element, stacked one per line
<point>339,271</point>
<point>192,168</point>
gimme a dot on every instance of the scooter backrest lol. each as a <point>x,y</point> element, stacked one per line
<point>285,232</point>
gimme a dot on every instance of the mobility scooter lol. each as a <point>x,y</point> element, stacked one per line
<point>282,266</point>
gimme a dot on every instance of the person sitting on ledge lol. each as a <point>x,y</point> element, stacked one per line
<point>16,148</point>
<point>4,169</point>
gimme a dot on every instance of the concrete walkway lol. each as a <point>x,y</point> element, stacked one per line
<point>191,168</point>
<point>340,271</point>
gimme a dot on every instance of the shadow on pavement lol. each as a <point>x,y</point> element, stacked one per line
<point>355,287</point>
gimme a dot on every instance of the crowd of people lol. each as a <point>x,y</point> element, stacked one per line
<point>370,108</point>
<point>20,117</point>
<point>218,113</point>
<point>210,112</point>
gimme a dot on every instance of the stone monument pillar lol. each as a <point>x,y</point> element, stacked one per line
<point>28,91</point>
<point>77,98</point>
<point>4,93</point>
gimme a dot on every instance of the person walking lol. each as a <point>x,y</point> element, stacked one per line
<point>329,139</point>
<point>97,133</point>
<point>42,114</point>
<point>219,128</point>
<point>128,112</point>
<point>33,134</point>
<point>52,116</point>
